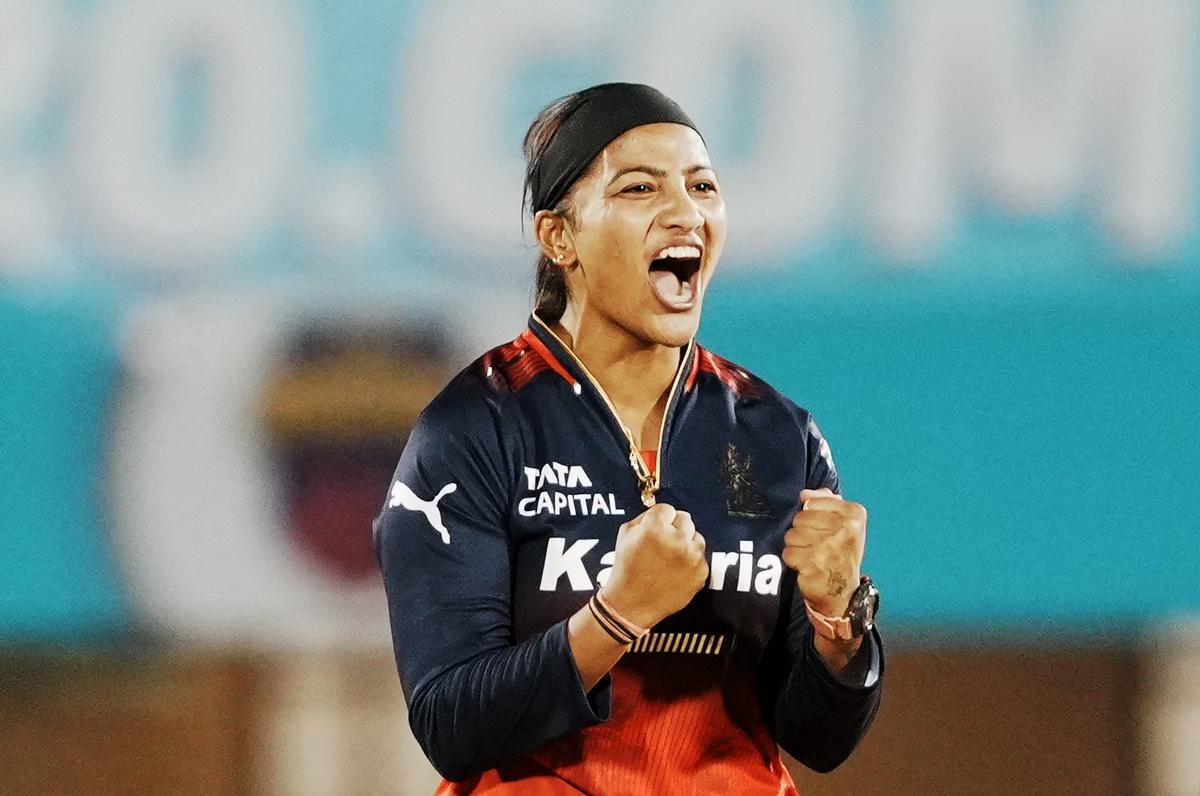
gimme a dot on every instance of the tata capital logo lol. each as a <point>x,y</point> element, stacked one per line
<point>559,502</point>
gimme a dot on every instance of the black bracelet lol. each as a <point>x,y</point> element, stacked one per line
<point>612,627</point>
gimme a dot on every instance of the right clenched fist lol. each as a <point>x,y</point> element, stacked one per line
<point>658,565</point>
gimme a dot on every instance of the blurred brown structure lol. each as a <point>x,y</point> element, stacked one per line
<point>998,721</point>
<point>107,723</point>
<point>955,721</point>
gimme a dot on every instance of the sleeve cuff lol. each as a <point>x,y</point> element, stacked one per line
<point>595,704</point>
<point>864,668</point>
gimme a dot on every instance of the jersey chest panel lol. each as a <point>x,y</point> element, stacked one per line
<point>739,481</point>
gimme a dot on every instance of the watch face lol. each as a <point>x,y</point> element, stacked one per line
<point>869,610</point>
<point>864,605</point>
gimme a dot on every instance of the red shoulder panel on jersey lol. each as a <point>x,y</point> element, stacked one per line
<point>734,377</point>
<point>516,363</point>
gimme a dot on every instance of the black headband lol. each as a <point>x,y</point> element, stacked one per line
<point>605,112</point>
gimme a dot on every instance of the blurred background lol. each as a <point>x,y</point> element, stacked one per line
<point>242,242</point>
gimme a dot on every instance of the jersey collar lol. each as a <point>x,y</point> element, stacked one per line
<point>563,361</point>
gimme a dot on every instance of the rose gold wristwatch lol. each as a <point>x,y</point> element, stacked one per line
<point>858,619</point>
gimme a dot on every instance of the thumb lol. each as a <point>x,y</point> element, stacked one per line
<point>808,494</point>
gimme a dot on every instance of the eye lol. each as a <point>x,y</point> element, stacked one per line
<point>640,187</point>
<point>705,186</point>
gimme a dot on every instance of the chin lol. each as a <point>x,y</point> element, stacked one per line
<point>675,329</point>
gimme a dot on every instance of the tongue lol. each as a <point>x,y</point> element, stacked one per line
<point>669,288</point>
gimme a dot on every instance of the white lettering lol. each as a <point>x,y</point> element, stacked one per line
<point>462,60</point>
<point>578,477</point>
<point>745,564</point>
<point>156,211</point>
<point>531,478</point>
<point>973,98</point>
<point>27,64</point>
<point>599,506</point>
<point>568,561</point>
<point>720,563</point>
<point>562,560</point>
<point>770,569</point>
<point>575,504</point>
<point>612,505</point>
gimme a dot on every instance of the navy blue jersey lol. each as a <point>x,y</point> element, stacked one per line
<point>500,524</point>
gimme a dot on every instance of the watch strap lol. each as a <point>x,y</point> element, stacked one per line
<point>853,624</point>
<point>834,628</point>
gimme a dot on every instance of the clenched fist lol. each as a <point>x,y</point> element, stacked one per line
<point>825,546</point>
<point>658,567</point>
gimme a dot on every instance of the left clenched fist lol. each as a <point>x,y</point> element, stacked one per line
<point>825,546</point>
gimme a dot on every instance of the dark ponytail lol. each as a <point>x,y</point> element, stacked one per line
<point>550,288</point>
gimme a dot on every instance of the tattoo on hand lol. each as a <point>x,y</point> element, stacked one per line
<point>836,584</point>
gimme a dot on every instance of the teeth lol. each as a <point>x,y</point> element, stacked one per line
<point>679,252</point>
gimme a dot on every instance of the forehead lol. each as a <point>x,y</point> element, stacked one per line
<point>665,146</point>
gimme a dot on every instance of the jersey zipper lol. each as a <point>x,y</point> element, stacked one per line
<point>648,482</point>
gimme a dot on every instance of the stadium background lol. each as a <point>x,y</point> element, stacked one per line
<point>241,242</point>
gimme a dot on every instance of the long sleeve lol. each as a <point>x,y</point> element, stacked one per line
<point>475,699</point>
<point>818,717</point>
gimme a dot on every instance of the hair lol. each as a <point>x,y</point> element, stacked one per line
<point>550,280</point>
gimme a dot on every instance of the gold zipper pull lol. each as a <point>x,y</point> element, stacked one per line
<point>648,490</point>
<point>646,479</point>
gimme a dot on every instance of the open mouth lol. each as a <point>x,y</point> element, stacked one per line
<point>673,275</point>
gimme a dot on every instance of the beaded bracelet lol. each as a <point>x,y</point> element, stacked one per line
<point>621,629</point>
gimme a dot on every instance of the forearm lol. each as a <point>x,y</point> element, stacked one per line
<point>836,654</point>
<point>594,650</point>
<point>504,703</point>
<point>820,718</point>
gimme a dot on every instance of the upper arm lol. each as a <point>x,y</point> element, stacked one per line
<point>821,470</point>
<point>448,600</point>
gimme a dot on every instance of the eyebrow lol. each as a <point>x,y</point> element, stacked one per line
<point>653,172</point>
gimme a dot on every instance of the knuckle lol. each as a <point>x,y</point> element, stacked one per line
<point>662,510</point>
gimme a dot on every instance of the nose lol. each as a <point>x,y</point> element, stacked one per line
<point>681,210</point>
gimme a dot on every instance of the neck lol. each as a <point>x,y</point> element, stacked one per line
<point>636,375</point>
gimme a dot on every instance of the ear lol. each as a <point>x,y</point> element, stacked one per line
<point>554,236</point>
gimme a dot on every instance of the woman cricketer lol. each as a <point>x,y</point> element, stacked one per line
<point>615,562</point>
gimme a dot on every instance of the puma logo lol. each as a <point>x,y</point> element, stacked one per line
<point>403,496</point>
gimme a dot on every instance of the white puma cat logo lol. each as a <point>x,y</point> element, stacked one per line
<point>404,497</point>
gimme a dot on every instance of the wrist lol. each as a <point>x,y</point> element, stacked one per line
<point>856,619</point>
<point>829,605</point>
<point>837,653</point>
<point>630,611</point>
<point>619,627</point>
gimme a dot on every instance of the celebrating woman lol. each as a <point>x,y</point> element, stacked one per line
<point>616,562</point>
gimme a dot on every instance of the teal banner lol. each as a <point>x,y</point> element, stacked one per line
<point>963,235</point>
